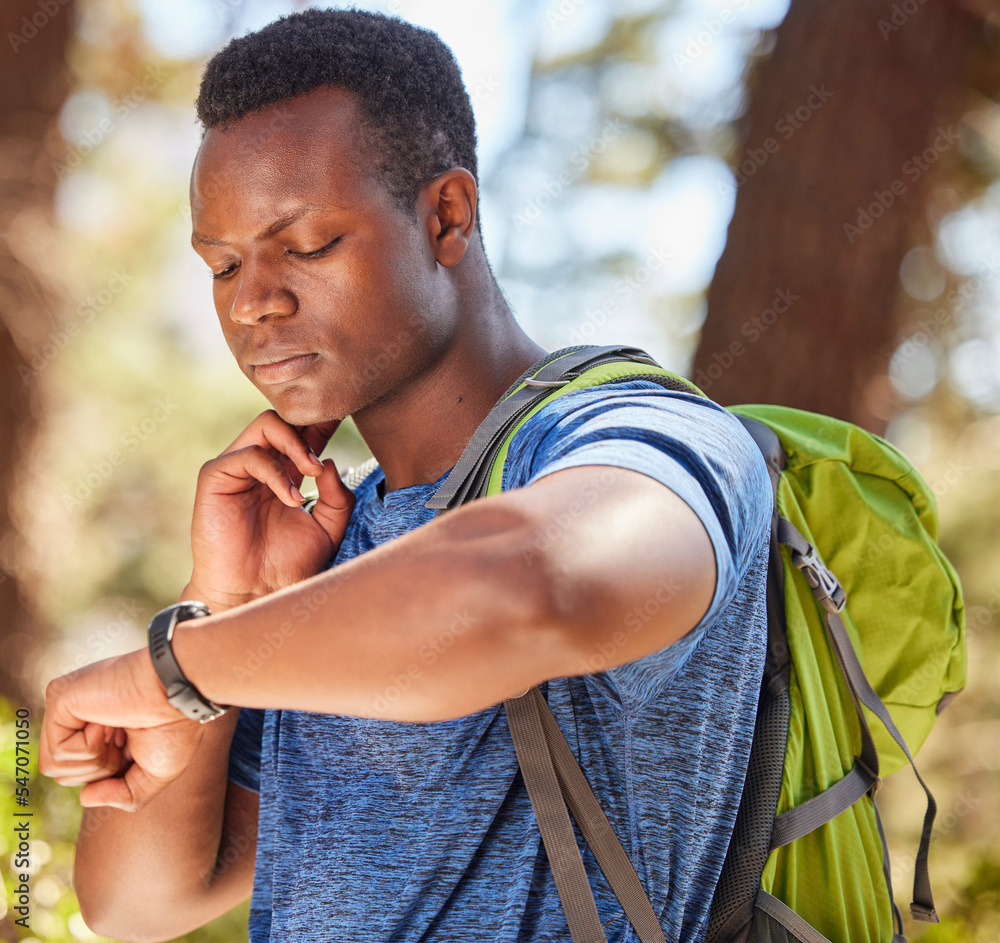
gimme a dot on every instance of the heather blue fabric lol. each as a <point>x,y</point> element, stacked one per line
<point>381,831</point>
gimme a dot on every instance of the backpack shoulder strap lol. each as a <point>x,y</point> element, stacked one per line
<point>557,373</point>
<point>553,778</point>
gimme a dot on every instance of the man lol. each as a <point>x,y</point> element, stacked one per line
<point>368,788</point>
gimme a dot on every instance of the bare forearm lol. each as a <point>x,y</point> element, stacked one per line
<point>139,873</point>
<point>470,609</point>
<point>439,623</point>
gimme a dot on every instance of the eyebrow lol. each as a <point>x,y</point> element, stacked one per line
<point>282,222</point>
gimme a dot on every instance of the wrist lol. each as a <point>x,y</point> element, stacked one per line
<point>217,602</point>
<point>181,691</point>
<point>147,685</point>
<point>197,651</point>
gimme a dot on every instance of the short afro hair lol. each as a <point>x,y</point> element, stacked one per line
<point>418,116</point>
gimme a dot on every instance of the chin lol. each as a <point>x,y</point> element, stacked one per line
<point>301,414</point>
<point>305,411</point>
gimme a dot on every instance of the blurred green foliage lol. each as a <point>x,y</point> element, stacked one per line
<point>54,915</point>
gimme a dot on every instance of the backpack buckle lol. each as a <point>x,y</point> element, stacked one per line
<point>531,381</point>
<point>825,586</point>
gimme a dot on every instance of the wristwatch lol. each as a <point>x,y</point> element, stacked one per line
<point>181,693</point>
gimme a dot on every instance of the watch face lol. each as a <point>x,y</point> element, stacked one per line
<point>191,610</point>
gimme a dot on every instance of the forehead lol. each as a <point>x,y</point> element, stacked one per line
<point>306,148</point>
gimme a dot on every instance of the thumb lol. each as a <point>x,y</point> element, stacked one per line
<point>128,793</point>
<point>333,508</point>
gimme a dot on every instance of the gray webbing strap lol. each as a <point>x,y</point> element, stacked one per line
<point>789,919</point>
<point>597,830</point>
<point>473,466</point>
<point>897,917</point>
<point>826,588</point>
<point>922,906</point>
<point>820,809</point>
<point>553,821</point>
<point>569,787</point>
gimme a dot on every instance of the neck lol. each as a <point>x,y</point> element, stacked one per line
<point>418,432</point>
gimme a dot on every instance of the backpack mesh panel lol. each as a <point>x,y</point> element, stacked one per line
<point>766,929</point>
<point>750,845</point>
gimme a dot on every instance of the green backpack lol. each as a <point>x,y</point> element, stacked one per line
<point>807,860</point>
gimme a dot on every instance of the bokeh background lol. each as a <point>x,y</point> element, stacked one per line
<point>795,203</point>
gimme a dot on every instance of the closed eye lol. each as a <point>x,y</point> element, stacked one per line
<point>225,273</point>
<point>318,253</point>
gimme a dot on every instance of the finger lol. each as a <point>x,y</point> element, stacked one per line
<point>239,471</point>
<point>110,762</point>
<point>96,735</point>
<point>332,510</point>
<point>82,774</point>
<point>112,791</point>
<point>270,431</point>
<point>318,435</point>
<point>128,793</point>
<point>77,747</point>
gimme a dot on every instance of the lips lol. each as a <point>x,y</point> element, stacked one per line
<point>283,371</point>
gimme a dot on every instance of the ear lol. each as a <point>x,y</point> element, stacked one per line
<point>448,204</point>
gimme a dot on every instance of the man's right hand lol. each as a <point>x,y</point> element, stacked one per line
<point>249,534</point>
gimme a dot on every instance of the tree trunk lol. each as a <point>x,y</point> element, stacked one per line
<point>33,83</point>
<point>850,117</point>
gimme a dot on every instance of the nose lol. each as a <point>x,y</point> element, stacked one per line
<point>260,295</point>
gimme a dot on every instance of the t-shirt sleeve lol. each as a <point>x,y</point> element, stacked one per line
<point>694,447</point>
<point>244,752</point>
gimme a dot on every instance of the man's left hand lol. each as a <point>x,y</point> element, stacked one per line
<point>109,725</point>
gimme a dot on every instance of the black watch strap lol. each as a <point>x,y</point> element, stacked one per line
<point>181,693</point>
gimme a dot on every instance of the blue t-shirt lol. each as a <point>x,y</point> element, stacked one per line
<point>373,830</point>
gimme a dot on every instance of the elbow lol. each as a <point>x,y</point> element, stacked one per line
<point>109,914</point>
<point>106,924</point>
<point>100,918</point>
